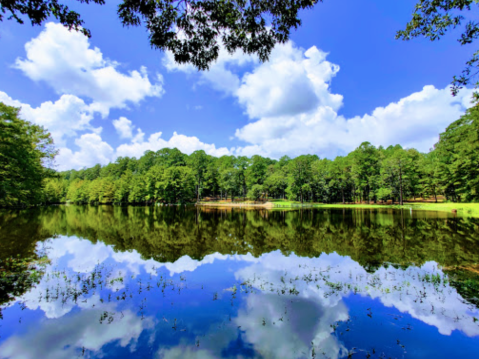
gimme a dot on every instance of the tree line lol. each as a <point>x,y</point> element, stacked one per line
<point>369,173</point>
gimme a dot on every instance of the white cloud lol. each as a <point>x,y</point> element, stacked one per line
<point>291,83</point>
<point>64,60</point>
<point>298,114</point>
<point>288,100</point>
<point>221,74</point>
<point>414,121</point>
<point>186,144</point>
<point>92,150</point>
<point>294,111</point>
<point>64,118</point>
<point>73,333</point>
<point>124,127</point>
<point>182,352</point>
<point>451,312</point>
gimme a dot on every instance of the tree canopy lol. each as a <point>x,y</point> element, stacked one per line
<point>433,18</point>
<point>25,149</point>
<point>193,30</point>
<point>369,173</point>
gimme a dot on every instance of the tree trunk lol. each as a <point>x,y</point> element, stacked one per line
<point>400,186</point>
<point>342,193</point>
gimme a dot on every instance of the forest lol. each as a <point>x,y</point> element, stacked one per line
<point>367,174</point>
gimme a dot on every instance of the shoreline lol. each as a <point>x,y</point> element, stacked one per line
<point>266,205</point>
<point>463,209</point>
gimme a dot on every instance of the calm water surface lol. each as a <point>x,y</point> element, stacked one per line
<point>182,282</point>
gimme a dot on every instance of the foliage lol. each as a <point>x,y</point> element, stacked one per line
<point>256,192</point>
<point>458,152</point>
<point>25,149</point>
<point>166,234</point>
<point>38,11</point>
<point>433,18</point>
<point>18,275</point>
<point>367,174</point>
<point>192,30</point>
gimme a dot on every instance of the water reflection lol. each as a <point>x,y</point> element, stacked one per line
<point>370,237</point>
<point>242,285</point>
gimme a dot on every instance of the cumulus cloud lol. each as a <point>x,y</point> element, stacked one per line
<point>64,60</point>
<point>296,112</point>
<point>452,313</point>
<point>291,83</point>
<point>293,110</point>
<point>186,144</point>
<point>288,100</point>
<point>221,74</point>
<point>414,121</point>
<point>64,118</point>
<point>92,150</point>
<point>124,127</point>
<point>74,333</point>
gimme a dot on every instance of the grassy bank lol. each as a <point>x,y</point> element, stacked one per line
<point>465,209</point>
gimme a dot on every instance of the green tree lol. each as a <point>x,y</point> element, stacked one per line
<point>191,29</point>
<point>78,191</point>
<point>198,161</point>
<point>365,169</point>
<point>256,171</point>
<point>178,184</point>
<point>433,18</point>
<point>275,184</point>
<point>26,150</point>
<point>300,174</point>
<point>211,177</point>
<point>256,192</point>
<point>341,175</point>
<point>55,190</point>
<point>122,192</point>
<point>458,152</point>
<point>230,182</point>
<point>430,180</point>
<point>154,183</point>
<point>138,189</point>
<point>322,181</point>
<point>241,164</point>
<point>393,170</point>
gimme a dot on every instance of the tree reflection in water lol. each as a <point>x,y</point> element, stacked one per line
<point>188,282</point>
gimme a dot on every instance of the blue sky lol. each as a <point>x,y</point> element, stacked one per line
<point>341,80</point>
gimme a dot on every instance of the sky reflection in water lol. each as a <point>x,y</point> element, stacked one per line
<point>97,301</point>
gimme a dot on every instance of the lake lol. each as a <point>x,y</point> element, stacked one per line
<point>189,282</point>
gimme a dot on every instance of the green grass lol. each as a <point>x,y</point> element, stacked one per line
<point>465,209</point>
